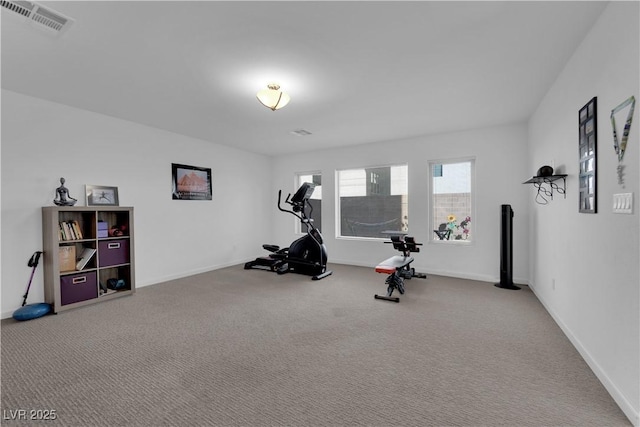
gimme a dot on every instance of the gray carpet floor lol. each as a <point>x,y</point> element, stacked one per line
<point>236,347</point>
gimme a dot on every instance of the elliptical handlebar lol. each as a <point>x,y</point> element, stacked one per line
<point>294,210</point>
<point>298,206</point>
<point>286,201</point>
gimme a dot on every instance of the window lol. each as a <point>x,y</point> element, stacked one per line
<point>315,212</point>
<point>373,201</point>
<point>452,200</point>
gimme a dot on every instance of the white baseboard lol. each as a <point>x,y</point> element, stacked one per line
<point>446,273</point>
<point>428,271</point>
<point>627,408</point>
<point>162,279</point>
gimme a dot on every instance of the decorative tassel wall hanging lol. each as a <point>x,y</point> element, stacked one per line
<point>620,146</point>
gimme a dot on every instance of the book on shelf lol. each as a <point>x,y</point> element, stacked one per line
<point>76,229</point>
<point>70,233</point>
<point>85,257</point>
<point>66,231</point>
<point>70,230</point>
<point>62,233</point>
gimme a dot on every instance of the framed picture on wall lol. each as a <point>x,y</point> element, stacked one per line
<point>191,182</point>
<point>587,156</point>
<point>98,195</point>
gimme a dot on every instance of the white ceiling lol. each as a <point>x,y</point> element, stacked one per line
<point>357,72</point>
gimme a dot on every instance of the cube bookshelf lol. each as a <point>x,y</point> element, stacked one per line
<point>83,264</point>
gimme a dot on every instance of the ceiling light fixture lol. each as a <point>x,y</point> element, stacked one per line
<point>273,97</point>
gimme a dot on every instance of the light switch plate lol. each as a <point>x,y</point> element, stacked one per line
<point>623,203</point>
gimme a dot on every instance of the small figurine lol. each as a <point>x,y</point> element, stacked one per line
<point>62,196</point>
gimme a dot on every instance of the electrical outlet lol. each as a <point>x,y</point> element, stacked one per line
<point>623,203</point>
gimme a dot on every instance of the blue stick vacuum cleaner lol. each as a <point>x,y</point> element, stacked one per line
<point>31,311</point>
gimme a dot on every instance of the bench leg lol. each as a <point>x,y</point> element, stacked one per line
<point>394,299</point>
<point>394,281</point>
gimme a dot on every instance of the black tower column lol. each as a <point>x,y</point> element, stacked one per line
<point>506,249</point>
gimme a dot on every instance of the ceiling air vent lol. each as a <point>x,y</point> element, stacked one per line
<point>300,132</point>
<point>37,15</point>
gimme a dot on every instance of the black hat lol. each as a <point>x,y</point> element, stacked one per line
<point>545,171</point>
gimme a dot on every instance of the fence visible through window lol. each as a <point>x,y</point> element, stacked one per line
<point>451,200</point>
<point>373,202</point>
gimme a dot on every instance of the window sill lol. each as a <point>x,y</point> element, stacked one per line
<point>363,239</point>
<point>451,242</point>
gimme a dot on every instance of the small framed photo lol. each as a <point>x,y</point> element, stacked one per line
<point>98,195</point>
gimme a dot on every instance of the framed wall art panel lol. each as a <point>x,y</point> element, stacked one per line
<point>587,150</point>
<point>191,182</point>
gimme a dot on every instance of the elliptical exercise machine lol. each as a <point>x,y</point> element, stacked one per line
<point>399,267</point>
<point>308,254</point>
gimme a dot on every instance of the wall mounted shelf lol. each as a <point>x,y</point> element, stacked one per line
<point>546,185</point>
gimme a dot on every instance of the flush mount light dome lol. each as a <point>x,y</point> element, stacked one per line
<point>273,97</point>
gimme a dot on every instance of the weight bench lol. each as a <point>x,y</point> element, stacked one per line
<point>399,267</point>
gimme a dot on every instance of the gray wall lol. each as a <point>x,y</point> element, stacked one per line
<point>43,141</point>
<point>584,267</point>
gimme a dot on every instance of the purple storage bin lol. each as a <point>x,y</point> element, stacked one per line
<point>113,252</point>
<point>78,287</point>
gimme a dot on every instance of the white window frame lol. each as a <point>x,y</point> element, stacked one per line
<point>433,237</point>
